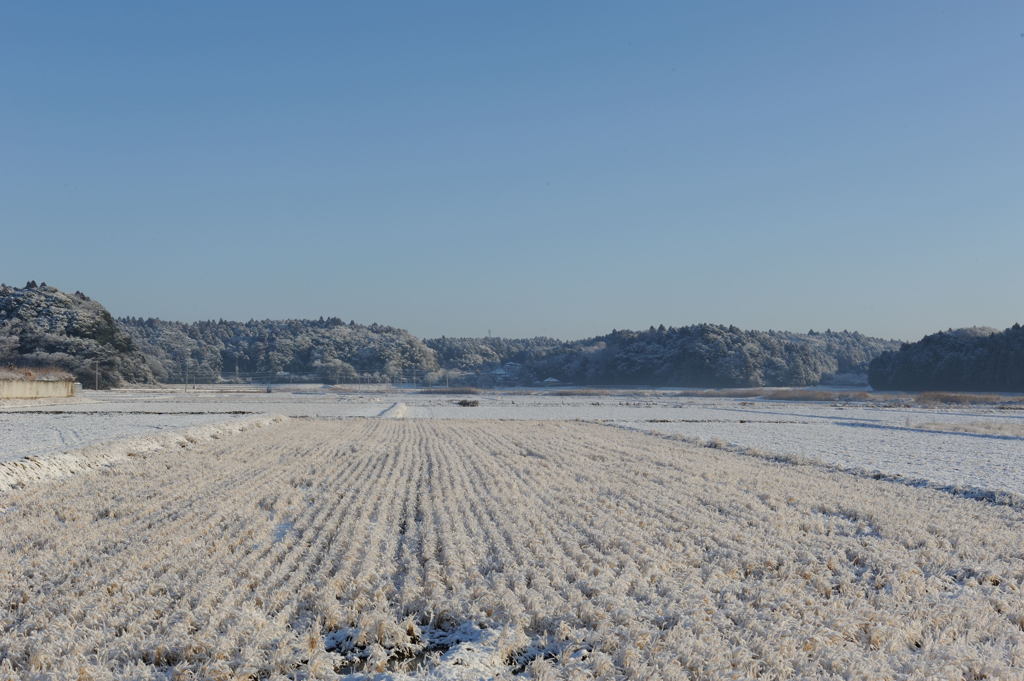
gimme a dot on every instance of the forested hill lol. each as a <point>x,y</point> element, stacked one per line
<point>330,349</point>
<point>43,326</point>
<point>479,354</point>
<point>336,351</point>
<point>702,355</point>
<point>40,325</point>
<point>962,359</point>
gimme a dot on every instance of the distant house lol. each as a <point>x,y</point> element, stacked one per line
<point>508,370</point>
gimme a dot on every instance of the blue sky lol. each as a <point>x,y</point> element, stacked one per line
<point>530,168</point>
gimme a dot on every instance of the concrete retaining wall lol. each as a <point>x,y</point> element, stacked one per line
<point>34,389</point>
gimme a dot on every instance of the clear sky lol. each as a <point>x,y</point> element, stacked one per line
<point>530,168</point>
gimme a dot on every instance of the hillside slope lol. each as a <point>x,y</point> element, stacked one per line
<point>958,359</point>
<point>701,355</point>
<point>43,326</point>
<point>332,350</point>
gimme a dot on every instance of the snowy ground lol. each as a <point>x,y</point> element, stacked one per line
<point>38,428</point>
<point>455,550</point>
<point>196,536</point>
<point>888,440</point>
<point>41,434</point>
<point>904,441</point>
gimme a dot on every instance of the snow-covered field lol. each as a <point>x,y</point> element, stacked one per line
<point>27,470</point>
<point>914,443</point>
<point>940,445</point>
<point>397,548</point>
<point>39,434</point>
<point>38,428</point>
<point>978,447</point>
<point>163,534</point>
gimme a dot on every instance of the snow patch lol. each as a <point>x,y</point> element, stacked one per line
<point>32,469</point>
<point>993,496</point>
<point>395,411</point>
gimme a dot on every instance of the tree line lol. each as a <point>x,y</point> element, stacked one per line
<point>700,355</point>
<point>978,359</point>
<point>42,326</point>
<point>327,350</point>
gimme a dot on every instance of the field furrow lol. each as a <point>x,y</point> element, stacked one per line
<point>315,549</point>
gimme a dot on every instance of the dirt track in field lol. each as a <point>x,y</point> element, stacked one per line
<point>469,549</point>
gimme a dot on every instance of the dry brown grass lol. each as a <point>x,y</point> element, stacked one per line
<point>34,374</point>
<point>797,395</point>
<point>790,394</point>
<point>933,398</point>
<point>722,392</point>
<point>453,390</point>
<point>978,428</point>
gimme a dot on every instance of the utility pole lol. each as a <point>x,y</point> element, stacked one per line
<point>97,374</point>
<point>186,374</point>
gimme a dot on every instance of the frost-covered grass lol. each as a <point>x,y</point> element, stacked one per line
<point>885,437</point>
<point>1001,428</point>
<point>398,548</point>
